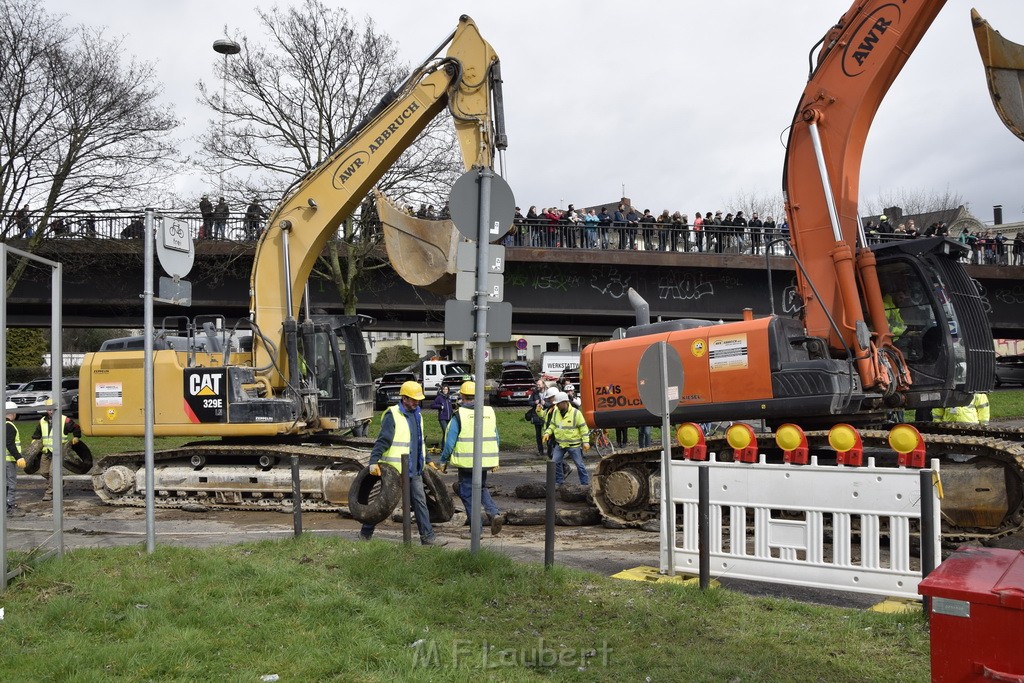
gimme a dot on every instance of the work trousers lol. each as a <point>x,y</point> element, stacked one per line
<point>466,492</point>
<point>418,503</point>
<point>574,452</point>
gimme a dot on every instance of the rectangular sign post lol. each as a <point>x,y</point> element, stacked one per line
<point>483,242</point>
<point>147,299</point>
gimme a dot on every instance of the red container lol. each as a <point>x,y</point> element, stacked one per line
<point>977,617</point>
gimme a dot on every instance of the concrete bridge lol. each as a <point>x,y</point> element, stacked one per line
<point>552,291</point>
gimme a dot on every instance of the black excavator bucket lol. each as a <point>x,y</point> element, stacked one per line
<point>1004,70</point>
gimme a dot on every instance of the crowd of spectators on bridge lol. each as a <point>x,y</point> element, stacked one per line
<point>626,228</point>
<point>618,227</point>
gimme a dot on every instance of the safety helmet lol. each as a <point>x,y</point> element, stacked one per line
<point>561,396</point>
<point>468,388</point>
<point>569,387</point>
<point>49,404</point>
<point>10,407</point>
<point>412,390</point>
<point>550,393</point>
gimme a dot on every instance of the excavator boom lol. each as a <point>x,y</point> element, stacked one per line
<point>302,224</point>
<point>839,359</point>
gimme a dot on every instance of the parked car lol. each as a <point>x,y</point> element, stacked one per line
<point>514,386</point>
<point>1009,370</point>
<point>388,387</point>
<point>31,399</point>
<point>570,376</point>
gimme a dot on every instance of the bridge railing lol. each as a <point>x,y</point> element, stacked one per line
<point>716,239</point>
<point>118,224</point>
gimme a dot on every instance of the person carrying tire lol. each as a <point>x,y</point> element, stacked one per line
<point>71,435</point>
<point>401,436</point>
<point>458,448</point>
<point>571,435</point>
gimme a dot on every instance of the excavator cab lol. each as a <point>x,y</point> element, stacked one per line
<point>932,308</point>
<point>334,372</point>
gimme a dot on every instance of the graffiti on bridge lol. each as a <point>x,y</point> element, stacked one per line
<point>1014,295</point>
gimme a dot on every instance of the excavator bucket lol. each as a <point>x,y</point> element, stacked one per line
<point>1004,70</point>
<point>422,252</point>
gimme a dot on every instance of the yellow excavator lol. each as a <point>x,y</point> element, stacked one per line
<point>272,385</point>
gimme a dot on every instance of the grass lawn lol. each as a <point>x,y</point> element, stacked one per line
<point>322,608</point>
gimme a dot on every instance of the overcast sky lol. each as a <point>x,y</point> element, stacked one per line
<point>684,104</point>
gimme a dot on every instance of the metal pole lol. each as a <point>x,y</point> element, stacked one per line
<point>668,508</point>
<point>704,524</point>
<point>57,429</point>
<point>549,517</point>
<point>483,237</point>
<point>927,530</point>
<point>223,120</point>
<point>406,498</point>
<point>147,296</point>
<point>3,382</point>
<point>296,497</point>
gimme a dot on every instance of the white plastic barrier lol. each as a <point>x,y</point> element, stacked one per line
<point>807,525</point>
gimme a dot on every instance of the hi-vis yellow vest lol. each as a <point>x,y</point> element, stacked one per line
<point>402,443</point>
<point>569,430</point>
<point>44,430</point>
<point>17,441</point>
<point>462,455</point>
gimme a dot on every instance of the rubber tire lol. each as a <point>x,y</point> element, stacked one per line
<point>531,490</point>
<point>371,499</point>
<point>77,458</point>
<point>439,501</point>
<point>574,493</point>
<point>32,454</point>
<point>584,517</point>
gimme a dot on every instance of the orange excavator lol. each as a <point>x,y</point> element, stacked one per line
<point>882,328</point>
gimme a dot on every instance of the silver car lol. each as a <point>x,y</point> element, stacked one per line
<point>31,399</point>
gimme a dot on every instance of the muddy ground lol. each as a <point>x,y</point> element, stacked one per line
<point>88,523</point>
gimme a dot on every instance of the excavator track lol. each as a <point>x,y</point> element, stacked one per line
<point>226,476</point>
<point>982,472</point>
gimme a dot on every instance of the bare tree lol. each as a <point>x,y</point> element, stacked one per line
<point>291,101</point>
<point>914,200</point>
<point>81,128</point>
<point>762,203</point>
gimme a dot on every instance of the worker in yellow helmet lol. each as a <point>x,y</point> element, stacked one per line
<point>12,458</point>
<point>401,437</point>
<point>458,448</point>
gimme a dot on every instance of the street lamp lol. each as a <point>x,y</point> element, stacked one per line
<point>224,46</point>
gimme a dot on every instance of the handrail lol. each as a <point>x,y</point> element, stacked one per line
<point>535,233</point>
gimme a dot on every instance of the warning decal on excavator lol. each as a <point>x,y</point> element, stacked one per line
<point>108,394</point>
<point>728,352</point>
<point>206,395</point>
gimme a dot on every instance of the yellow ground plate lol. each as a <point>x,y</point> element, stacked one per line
<point>896,606</point>
<point>652,574</point>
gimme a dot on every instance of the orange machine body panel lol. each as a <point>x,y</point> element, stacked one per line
<point>722,364</point>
